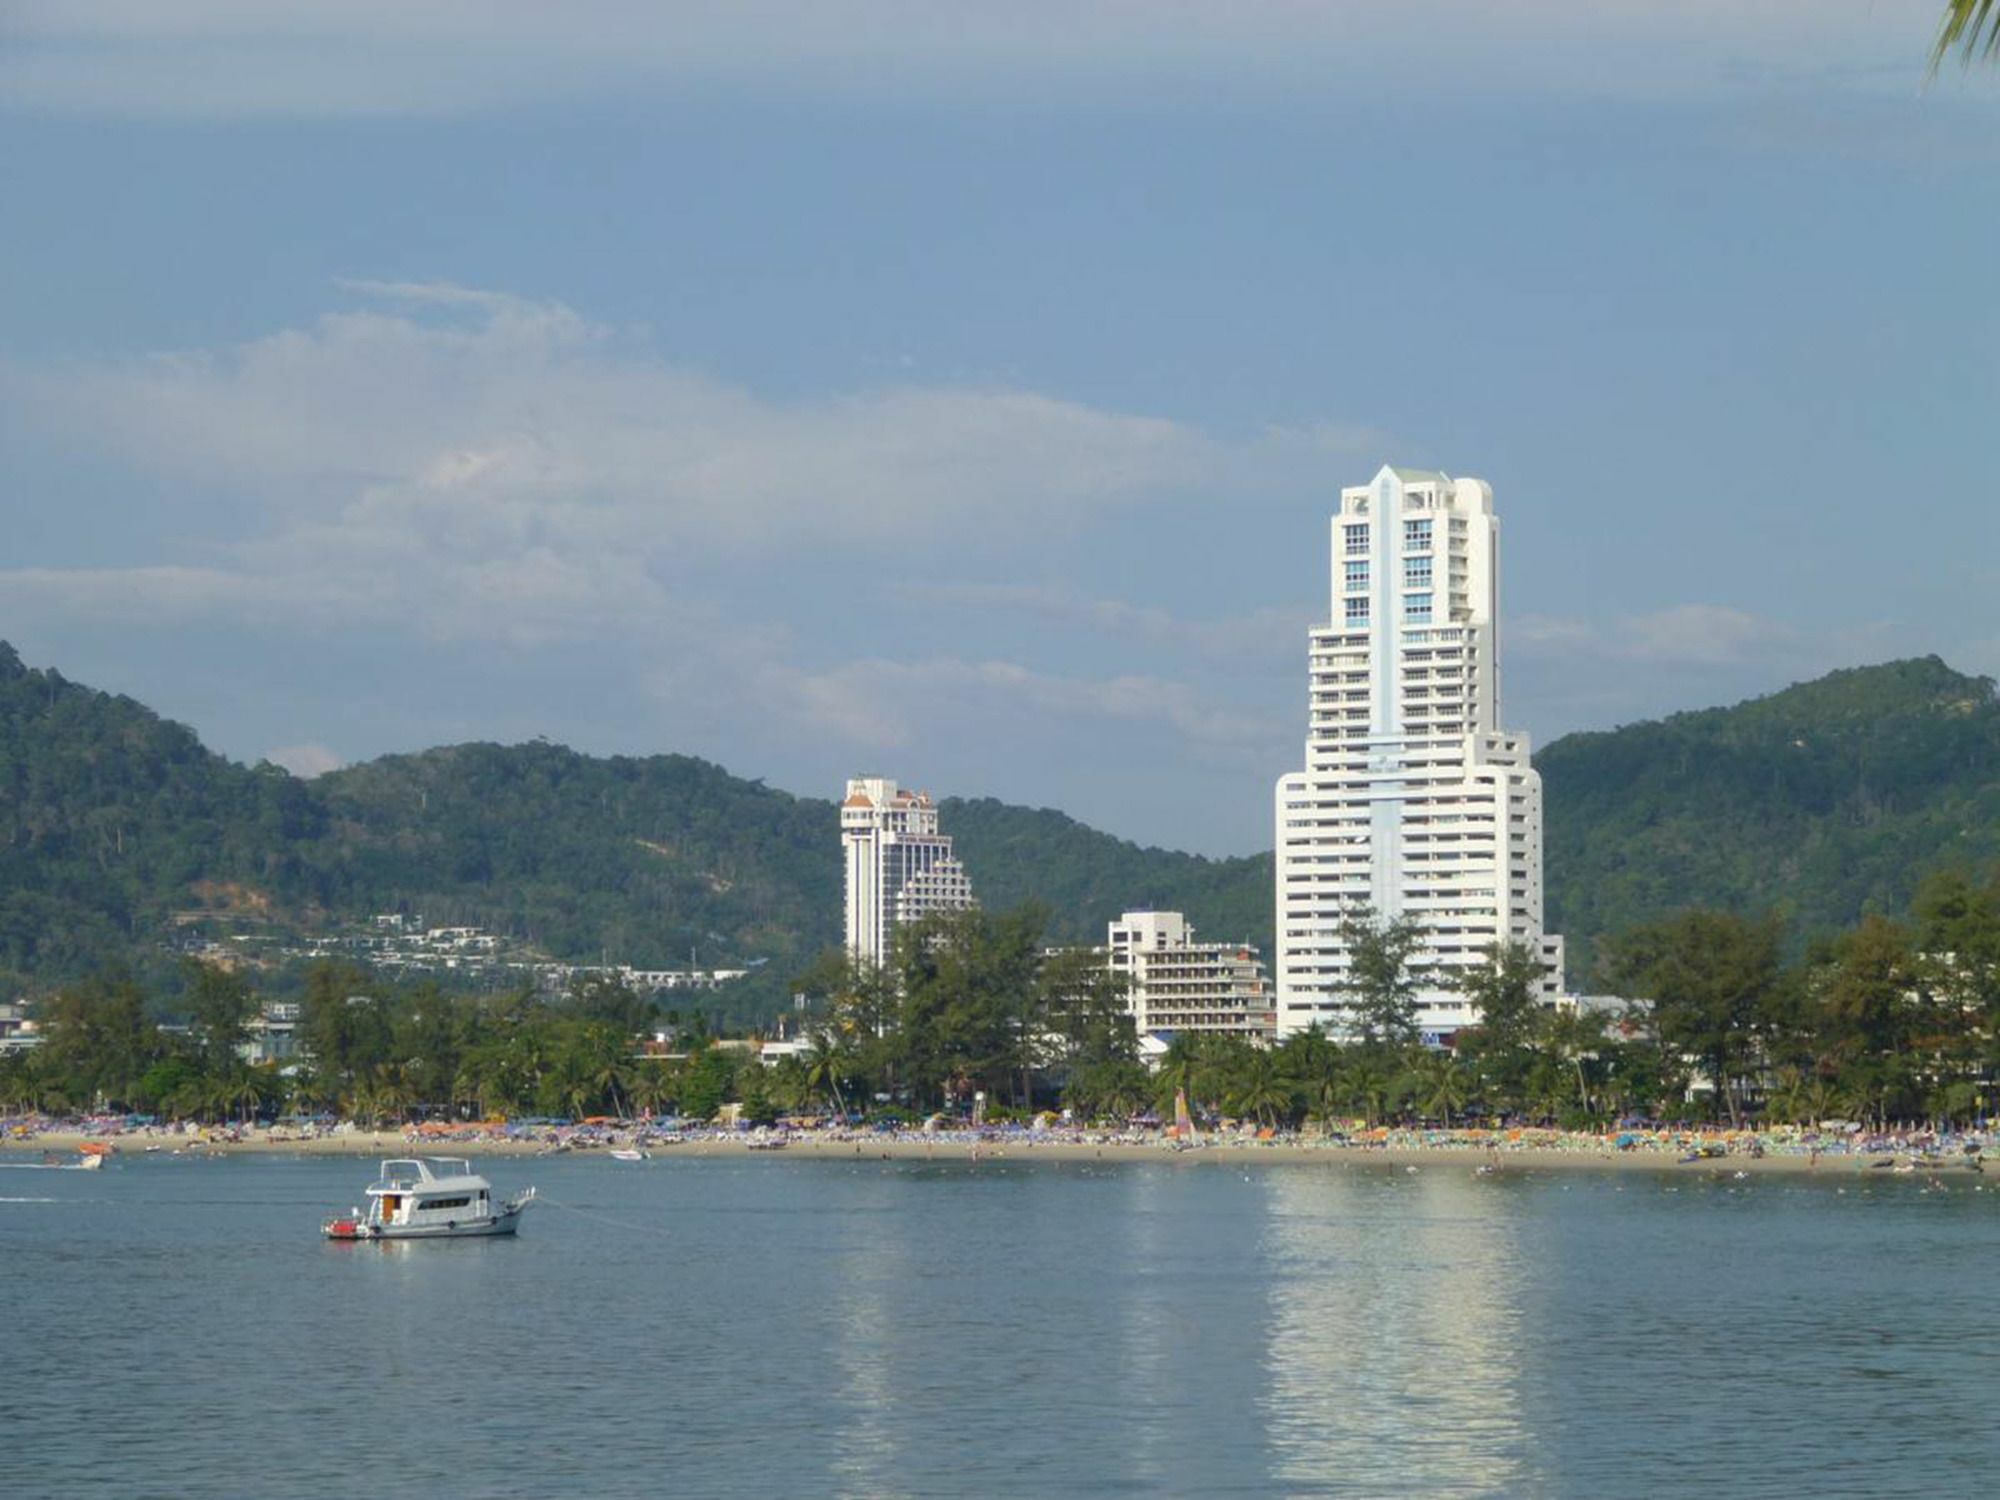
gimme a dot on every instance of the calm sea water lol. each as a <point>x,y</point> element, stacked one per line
<point>789,1327</point>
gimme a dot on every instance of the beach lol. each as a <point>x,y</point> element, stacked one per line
<point>1501,1153</point>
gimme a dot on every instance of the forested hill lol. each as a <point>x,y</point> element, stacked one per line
<point>114,823</point>
<point>1822,801</point>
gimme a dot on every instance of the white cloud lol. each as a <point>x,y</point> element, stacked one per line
<point>1261,632</point>
<point>1680,635</point>
<point>307,761</point>
<point>892,705</point>
<point>485,466</point>
<point>474,469</point>
<point>363,57</point>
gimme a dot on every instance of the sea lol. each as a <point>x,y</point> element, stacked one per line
<point>779,1327</point>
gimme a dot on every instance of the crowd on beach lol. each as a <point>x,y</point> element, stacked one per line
<point>1909,1149</point>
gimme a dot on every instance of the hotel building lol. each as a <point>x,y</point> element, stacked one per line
<point>1180,985</point>
<point>899,867</point>
<point>1414,801</point>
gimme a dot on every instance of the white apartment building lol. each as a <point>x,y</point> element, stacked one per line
<point>1413,801</point>
<point>899,867</point>
<point>1178,984</point>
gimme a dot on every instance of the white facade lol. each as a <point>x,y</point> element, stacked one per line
<point>1178,984</point>
<point>1413,801</point>
<point>272,1035</point>
<point>899,867</point>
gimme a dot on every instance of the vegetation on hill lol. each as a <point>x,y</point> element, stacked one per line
<point>1087,879</point>
<point>1821,803</point>
<point>117,824</point>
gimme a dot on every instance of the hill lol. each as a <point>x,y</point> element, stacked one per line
<point>117,825</point>
<point>1826,800</point>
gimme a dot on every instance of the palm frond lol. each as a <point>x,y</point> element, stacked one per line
<point>1970,28</point>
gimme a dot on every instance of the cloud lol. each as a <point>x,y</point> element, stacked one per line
<point>1261,632</point>
<point>306,760</point>
<point>482,465</point>
<point>375,57</point>
<point>474,478</point>
<point>891,705</point>
<point>1681,635</point>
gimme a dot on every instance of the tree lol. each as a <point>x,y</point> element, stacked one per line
<point>827,1061</point>
<point>1311,1062</point>
<point>1259,1088</point>
<point>1709,975</point>
<point>1082,1011</point>
<point>343,1023</point>
<point>1573,1037</point>
<point>1382,978</point>
<point>1442,1086</point>
<point>609,999</point>
<point>709,1082</point>
<point>1365,1085</point>
<point>652,1089</point>
<point>1882,1028</point>
<point>965,986</point>
<point>1507,990</point>
<point>219,1006</point>
<point>99,1040</point>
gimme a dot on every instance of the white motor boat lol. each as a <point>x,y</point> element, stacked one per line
<point>429,1198</point>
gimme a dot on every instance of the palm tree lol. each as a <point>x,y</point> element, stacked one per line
<point>1442,1085</point>
<point>1971,28</point>
<point>652,1090</point>
<point>1788,1098</point>
<point>1260,1091</point>
<point>308,1092</point>
<point>1179,1070</point>
<point>1573,1036</point>
<point>826,1065</point>
<point>1366,1084</point>
<point>611,1074</point>
<point>1312,1063</point>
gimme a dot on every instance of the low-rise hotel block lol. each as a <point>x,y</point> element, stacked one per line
<point>1178,985</point>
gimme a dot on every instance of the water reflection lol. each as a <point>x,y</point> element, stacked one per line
<point>1395,1332</point>
<point>867,1446</point>
<point>1147,1333</point>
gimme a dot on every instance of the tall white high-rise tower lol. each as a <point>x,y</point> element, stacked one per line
<point>1414,801</point>
<point>899,867</point>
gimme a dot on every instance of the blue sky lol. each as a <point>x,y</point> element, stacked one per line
<point>960,392</point>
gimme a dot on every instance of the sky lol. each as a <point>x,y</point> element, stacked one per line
<point>960,392</point>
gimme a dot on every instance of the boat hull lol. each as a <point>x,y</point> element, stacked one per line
<point>478,1229</point>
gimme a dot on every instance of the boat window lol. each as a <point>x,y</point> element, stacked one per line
<point>446,1202</point>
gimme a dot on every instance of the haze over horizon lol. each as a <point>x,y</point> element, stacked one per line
<point>962,394</point>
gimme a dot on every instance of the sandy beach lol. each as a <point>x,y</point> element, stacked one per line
<point>1589,1154</point>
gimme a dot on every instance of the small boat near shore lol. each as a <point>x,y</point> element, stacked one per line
<point>630,1153</point>
<point>429,1198</point>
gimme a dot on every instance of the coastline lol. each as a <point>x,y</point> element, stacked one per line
<point>1500,1159</point>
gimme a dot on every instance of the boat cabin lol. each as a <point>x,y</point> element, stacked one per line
<point>413,1192</point>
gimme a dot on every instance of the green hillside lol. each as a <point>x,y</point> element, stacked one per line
<point>1826,800</point>
<point>117,823</point>
<point>1086,878</point>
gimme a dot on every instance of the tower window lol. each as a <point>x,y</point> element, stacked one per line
<point>1355,538</point>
